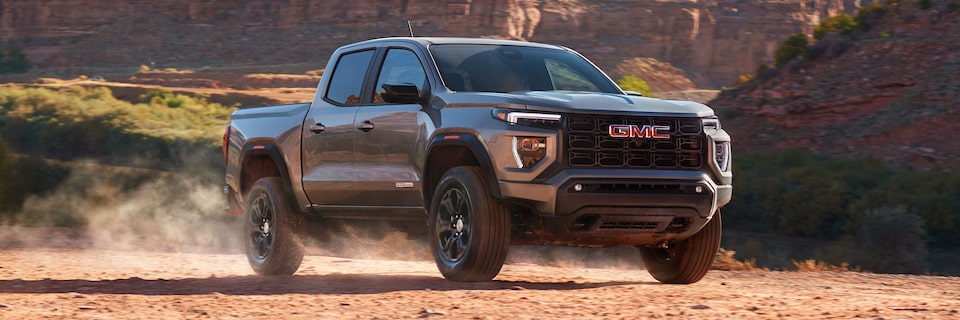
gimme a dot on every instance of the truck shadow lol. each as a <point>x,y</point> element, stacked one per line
<point>278,285</point>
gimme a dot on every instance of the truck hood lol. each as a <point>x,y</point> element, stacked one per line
<point>549,101</point>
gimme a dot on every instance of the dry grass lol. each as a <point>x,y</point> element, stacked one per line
<point>727,262</point>
<point>812,265</point>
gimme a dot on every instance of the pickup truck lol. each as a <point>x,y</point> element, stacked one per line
<point>484,144</point>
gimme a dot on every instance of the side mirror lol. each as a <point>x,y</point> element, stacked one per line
<point>400,93</point>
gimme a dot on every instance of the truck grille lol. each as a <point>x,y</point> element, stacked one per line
<point>589,143</point>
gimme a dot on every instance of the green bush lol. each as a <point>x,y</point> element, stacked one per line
<point>166,131</point>
<point>868,15</point>
<point>742,80</point>
<point>843,23</point>
<point>12,60</point>
<point>847,206</point>
<point>634,83</point>
<point>892,240</point>
<point>795,192</point>
<point>80,122</point>
<point>795,45</point>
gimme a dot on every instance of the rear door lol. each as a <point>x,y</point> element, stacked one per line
<point>329,132</point>
<point>391,136</point>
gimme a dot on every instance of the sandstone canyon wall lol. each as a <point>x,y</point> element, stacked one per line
<point>713,41</point>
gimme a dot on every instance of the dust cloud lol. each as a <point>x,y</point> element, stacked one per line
<point>103,207</point>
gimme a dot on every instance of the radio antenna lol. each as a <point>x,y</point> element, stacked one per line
<point>410,27</point>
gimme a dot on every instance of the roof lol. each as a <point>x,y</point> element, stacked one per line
<point>427,41</point>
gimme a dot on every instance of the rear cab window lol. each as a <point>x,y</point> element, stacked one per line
<point>346,82</point>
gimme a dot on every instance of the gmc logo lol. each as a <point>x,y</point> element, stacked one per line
<point>635,131</point>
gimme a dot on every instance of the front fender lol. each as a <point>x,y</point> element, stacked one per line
<point>469,141</point>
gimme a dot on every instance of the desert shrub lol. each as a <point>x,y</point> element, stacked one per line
<point>892,240</point>
<point>12,60</point>
<point>743,79</point>
<point>843,23</point>
<point>44,127</point>
<point>792,47</point>
<point>634,83</point>
<point>868,15</point>
<point>813,265</point>
<point>829,47</point>
<point>27,176</point>
<point>815,204</point>
<point>764,72</point>
<point>727,261</point>
<point>798,193</point>
<point>931,195</point>
<point>82,122</point>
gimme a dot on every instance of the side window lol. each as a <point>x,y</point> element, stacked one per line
<point>400,66</point>
<point>566,78</point>
<point>347,79</point>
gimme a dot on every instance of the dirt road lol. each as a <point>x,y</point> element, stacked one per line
<point>108,284</point>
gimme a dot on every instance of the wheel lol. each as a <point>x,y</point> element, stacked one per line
<point>469,230</point>
<point>685,261</point>
<point>272,230</point>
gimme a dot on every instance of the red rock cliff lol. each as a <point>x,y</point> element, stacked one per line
<point>713,41</point>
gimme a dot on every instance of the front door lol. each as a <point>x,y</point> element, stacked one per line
<point>390,137</point>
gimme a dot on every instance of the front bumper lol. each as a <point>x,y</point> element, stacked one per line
<point>590,207</point>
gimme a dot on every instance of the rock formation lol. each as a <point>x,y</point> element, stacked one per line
<point>714,41</point>
<point>890,93</point>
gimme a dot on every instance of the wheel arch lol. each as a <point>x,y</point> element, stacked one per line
<point>260,160</point>
<point>449,150</point>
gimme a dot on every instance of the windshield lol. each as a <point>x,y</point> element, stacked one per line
<point>498,68</point>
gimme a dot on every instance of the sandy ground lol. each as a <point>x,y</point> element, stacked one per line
<point>109,284</point>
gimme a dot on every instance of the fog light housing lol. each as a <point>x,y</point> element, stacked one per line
<point>722,152</point>
<point>528,151</point>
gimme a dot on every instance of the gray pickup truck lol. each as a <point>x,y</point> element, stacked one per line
<point>484,144</point>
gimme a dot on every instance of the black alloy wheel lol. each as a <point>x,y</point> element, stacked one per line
<point>272,230</point>
<point>469,230</point>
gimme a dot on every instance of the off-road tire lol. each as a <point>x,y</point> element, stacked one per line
<point>469,229</point>
<point>272,231</point>
<point>686,261</point>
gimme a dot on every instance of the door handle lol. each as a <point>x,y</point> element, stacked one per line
<point>366,126</point>
<point>317,128</point>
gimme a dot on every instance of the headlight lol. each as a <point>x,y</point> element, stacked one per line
<point>542,120</point>
<point>722,151</point>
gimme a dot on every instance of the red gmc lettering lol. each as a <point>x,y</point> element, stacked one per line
<point>635,131</point>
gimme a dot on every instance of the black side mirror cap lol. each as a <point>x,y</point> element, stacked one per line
<point>400,93</point>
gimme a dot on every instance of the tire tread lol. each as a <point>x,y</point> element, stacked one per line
<point>494,242</point>
<point>695,260</point>
<point>288,243</point>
